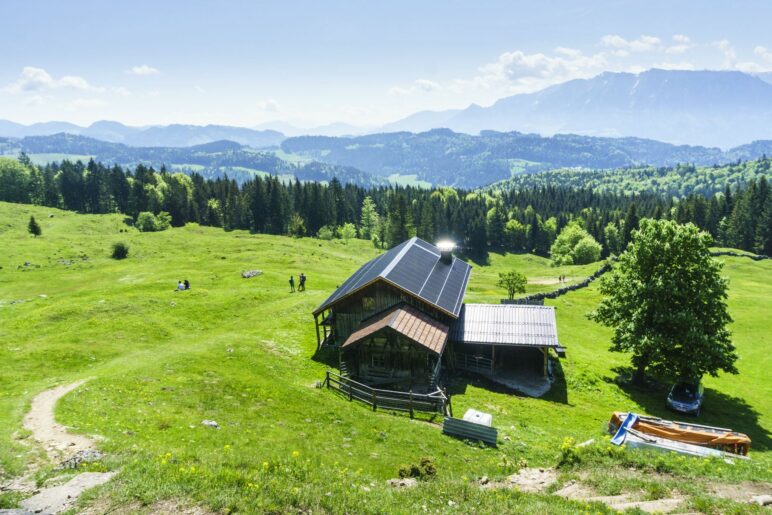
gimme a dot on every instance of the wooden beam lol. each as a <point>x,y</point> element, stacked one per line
<point>493,358</point>
<point>545,351</point>
<point>318,340</point>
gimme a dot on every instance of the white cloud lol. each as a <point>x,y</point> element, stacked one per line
<point>268,106</point>
<point>143,70</point>
<point>418,86</point>
<point>681,39</point>
<point>199,89</point>
<point>730,56</point>
<point>681,44</point>
<point>764,53</point>
<point>427,85</point>
<point>34,100</point>
<point>519,71</point>
<point>37,79</point>
<point>642,44</point>
<point>120,90</point>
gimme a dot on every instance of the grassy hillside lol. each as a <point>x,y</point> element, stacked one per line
<point>241,352</point>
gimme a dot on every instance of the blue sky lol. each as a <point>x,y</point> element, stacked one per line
<point>366,63</point>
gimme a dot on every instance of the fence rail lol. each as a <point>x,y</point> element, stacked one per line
<point>411,402</point>
<point>473,363</point>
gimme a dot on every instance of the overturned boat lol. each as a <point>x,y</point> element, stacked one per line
<point>717,438</point>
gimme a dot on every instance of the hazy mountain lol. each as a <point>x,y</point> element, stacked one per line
<point>713,108</point>
<point>422,121</point>
<point>211,159</point>
<point>444,157</point>
<point>175,135</point>
<point>332,129</point>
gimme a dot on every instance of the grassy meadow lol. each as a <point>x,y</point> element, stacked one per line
<point>242,352</point>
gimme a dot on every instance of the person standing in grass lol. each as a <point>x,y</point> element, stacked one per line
<point>302,282</point>
<point>292,283</point>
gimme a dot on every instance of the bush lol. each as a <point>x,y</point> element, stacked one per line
<point>326,233</point>
<point>148,222</point>
<point>424,469</point>
<point>120,250</point>
<point>574,246</point>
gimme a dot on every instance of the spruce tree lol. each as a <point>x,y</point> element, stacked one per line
<point>33,227</point>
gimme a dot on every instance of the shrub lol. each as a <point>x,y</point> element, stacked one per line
<point>148,222</point>
<point>424,469</point>
<point>326,233</point>
<point>120,250</point>
<point>574,246</point>
<point>347,231</point>
<point>297,226</point>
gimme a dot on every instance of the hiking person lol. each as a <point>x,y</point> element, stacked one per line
<point>187,284</point>
<point>302,281</point>
<point>292,283</point>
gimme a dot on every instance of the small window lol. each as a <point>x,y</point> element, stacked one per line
<point>378,361</point>
<point>368,303</point>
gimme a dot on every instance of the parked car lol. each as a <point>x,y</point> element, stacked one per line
<point>686,397</point>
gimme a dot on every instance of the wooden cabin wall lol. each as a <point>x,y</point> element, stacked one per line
<point>399,360</point>
<point>372,300</point>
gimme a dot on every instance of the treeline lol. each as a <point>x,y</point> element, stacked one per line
<point>515,220</point>
<point>672,181</point>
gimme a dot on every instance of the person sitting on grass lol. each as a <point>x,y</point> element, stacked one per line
<point>180,285</point>
<point>187,284</point>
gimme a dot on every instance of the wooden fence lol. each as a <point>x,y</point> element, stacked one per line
<point>435,402</point>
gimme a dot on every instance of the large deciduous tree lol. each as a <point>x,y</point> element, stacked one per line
<point>513,282</point>
<point>666,301</point>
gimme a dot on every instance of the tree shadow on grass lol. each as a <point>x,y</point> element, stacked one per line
<point>458,381</point>
<point>718,409</point>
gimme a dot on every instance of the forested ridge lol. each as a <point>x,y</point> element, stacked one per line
<point>515,219</point>
<point>675,181</point>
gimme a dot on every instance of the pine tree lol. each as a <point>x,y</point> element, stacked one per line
<point>33,227</point>
<point>631,224</point>
<point>369,219</point>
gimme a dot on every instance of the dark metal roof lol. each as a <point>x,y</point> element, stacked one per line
<point>409,322</point>
<point>506,324</point>
<point>414,266</point>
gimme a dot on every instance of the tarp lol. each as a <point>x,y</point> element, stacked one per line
<point>707,436</point>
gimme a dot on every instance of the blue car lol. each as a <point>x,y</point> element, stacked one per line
<point>686,397</point>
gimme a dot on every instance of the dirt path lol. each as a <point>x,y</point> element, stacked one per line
<point>58,443</point>
<point>60,446</point>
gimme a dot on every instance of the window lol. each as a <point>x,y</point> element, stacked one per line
<point>368,303</point>
<point>378,361</point>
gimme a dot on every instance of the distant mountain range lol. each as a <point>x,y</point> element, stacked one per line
<point>436,157</point>
<point>175,135</point>
<point>444,157</point>
<point>213,159</point>
<point>713,108</point>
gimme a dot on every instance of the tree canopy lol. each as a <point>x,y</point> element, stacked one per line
<point>575,246</point>
<point>666,301</point>
<point>513,282</point>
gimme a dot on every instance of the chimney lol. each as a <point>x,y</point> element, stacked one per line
<point>446,250</point>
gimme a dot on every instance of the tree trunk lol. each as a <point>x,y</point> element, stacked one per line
<point>639,375</point>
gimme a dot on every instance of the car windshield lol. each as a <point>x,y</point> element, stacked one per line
<point>685,391</point>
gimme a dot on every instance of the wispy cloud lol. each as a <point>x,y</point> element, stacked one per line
<point>34,79</point>
<point>143,70</point>
<point>86,103</point>
<point>419,85</point>
<point>268,106</point>
<point>624,46</point>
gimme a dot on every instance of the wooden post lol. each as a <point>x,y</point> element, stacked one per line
<point>374,398</point>
<point>493,358</point>
<point>318,340</point>
<point>546,354</point>
<point>411,403</point>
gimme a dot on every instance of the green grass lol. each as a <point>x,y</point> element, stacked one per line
<point>408,180</point>
<point>44,159</point>
<point>241,352</point>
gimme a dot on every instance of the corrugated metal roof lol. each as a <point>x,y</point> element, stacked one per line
<point>506,324</point>
<point>414,266</point>
<point>408,321</point>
